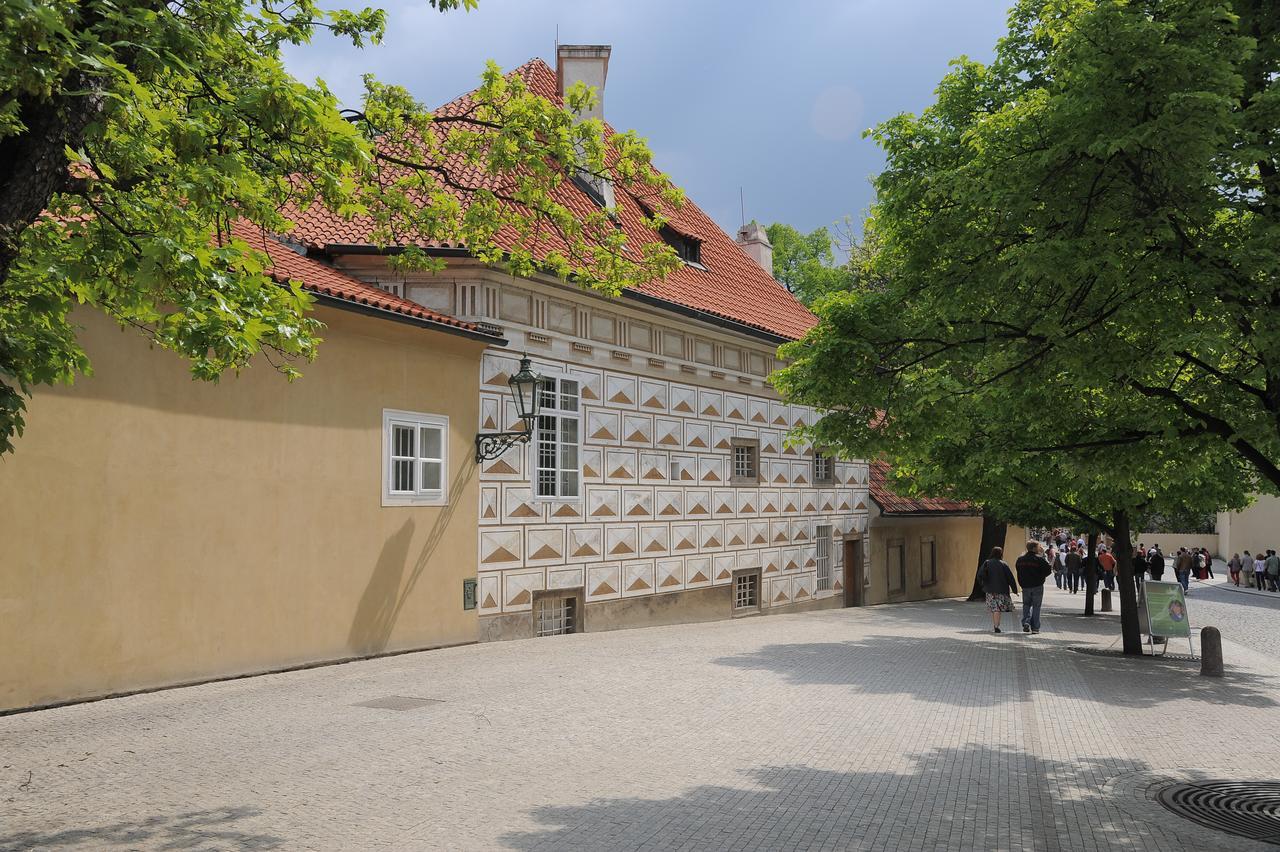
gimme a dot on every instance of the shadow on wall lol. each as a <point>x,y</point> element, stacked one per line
<point>943,670</point>
<point>387,590</point>
<point>974,797</point>
<point>209,829</point>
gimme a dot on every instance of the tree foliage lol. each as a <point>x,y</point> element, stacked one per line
<point>132,134</point>
<point>1101,202</point>
<point>806,263</point>
<point>1062,314</point>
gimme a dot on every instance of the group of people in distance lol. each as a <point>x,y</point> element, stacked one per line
<point>1262,571</point>
<point>1151,562</point>
<point>1067,561</point>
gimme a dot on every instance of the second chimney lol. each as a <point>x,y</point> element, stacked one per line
<point>588,63</point>
<point>755,242</point>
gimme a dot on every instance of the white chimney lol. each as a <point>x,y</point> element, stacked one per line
<point>755,242</point>
<point>588,63</point>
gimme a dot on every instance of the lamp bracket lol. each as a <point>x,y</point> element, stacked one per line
<point>490,445</point>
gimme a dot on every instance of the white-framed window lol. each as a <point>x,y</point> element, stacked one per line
<point>822,539</point>
<point>557,468</point>
<point>824,468</point>
<point>415,458</point>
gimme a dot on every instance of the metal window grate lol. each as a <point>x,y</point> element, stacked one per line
<point>555,617</point>
<point>746,591</point>
<point>823,558</point>
<point>744,462</point>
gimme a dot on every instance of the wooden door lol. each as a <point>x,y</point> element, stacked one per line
<point>853,576</point>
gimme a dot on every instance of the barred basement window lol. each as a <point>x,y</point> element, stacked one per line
<point>414,458</point>
<point>746,590</point>
<point>556,465</point>
<point>823,558</point>
<point>823,468</point>
<point>555,616</point>
<point>745,468</point>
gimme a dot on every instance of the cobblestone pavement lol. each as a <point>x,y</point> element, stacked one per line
<point>1246,616</point>
<point>893,727</point>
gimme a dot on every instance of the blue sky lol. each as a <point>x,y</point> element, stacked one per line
<point>769,97</point>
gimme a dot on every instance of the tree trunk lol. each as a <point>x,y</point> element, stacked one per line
<point>993,531</point>
<point>33,163</point>
<point>1129,629</point>
<point>1091,573</point>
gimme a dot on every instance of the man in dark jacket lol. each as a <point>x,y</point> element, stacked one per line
<point>1033,569</point>
<point>1155,563</point>
<point>1075,568</point>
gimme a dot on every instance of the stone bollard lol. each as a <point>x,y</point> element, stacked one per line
<point>1106,600</point>
<point>1210,652</point>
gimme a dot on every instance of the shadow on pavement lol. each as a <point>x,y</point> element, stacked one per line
<point>972,797</point>
<point>942,669</point>
<point>208,829</point>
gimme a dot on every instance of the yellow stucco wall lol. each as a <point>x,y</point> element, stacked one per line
<point>1253,529</point>
<point>957,539</point>
<point>157,530</point>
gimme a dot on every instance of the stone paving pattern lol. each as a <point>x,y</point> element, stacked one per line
<point>894,727</point>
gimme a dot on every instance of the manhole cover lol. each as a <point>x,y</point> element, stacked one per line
<point>1244,808</point>
<point>399,702</point>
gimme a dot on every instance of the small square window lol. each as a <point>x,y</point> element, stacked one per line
<point>746,591</point>
<point>557,612</point>
<point>415,458</point>
<point>745,464</point>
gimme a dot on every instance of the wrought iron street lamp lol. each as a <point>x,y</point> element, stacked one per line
<point>525,387</point>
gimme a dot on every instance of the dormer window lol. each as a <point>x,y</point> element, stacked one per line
<point>687,248</point>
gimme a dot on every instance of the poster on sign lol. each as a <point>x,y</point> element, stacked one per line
<point>1166,609</point>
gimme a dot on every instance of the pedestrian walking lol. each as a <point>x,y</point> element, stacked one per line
<point>1208,562</point>
<point>1033,569</point>
<point>1233,568</point>
<point>1139,566</point>
<point>998,584</point>
<point>1108,563</point>
<point>1155,563</point>
<point>1075,568</point>
<point>1182,565</point>
<point>1260,571</point>
<point>1052,556</point>
<point>1272,566</point>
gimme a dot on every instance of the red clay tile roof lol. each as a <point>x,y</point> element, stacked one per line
<point>731,286</point>
<point>316,277</point>
<point>891,503</point>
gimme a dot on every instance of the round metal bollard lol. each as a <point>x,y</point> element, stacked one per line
<point>1106,600</point>
<point>1210,652</point>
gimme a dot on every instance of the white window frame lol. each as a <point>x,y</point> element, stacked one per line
<point>419,496</point>
<point>535,444</point>
<point>820,460</point>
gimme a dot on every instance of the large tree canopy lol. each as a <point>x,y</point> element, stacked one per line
<point>132,134</point>
<point>1097,210</point>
